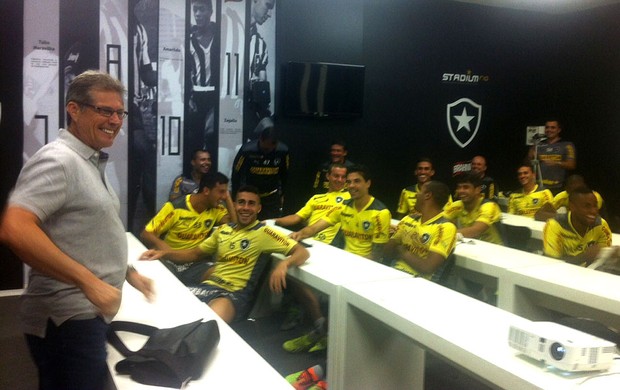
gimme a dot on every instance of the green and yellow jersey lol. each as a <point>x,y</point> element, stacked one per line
<point>437,235</point>
<point>485,211</point>
<point>362,229</point>
<point>527,204</point>
<point>184,227</point>
<point>561,200</point>
<point>561,239</point>
<point>237,254</point>
<point>319,206</point>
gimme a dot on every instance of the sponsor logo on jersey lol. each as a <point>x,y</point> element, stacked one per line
<point>463,118</point>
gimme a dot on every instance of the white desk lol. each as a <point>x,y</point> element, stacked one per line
<point>326,270</point>
<point>388,325</point>
<point>233,365</point>
<point>562,288</point>
<point>487,263</point>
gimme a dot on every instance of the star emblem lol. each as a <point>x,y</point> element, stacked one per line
<point>464,120</point>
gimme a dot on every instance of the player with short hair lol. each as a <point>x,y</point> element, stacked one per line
<point>181,185</point>
<point>578,236</point>
<point>424,172</point>
<point>530,198</point>
<point>422,242</point>
<point>475,216</point>
<point>187,221</point>
<point>229,287</point>
<point>365,221</point>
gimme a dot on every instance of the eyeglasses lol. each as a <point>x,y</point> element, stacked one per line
<point>105,111</point>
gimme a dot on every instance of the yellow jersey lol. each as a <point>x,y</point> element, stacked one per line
<point>437,235</point>
<point>362,229</point>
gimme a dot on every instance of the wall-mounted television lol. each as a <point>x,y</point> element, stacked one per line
<point>323,90</point>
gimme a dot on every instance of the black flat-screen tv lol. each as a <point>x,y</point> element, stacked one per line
<point>323,90</point>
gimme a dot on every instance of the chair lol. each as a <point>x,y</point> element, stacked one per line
<point>516,237</point>
<point>443,275</point>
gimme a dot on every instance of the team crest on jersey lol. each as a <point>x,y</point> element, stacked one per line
<point>339,199</point>
<point>244,244</point>
<point>208,223</point>
<point>535,201</point>
<point>276,161</point>
<point>366,225</point>
<point>463,117</point>
<point>425,237</point>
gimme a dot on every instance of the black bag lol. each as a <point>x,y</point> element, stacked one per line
<point>171,357</point>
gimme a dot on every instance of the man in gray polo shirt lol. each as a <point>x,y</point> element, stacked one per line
<point>63,221</point>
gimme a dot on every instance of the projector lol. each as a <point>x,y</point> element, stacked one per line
<point>562,347</point>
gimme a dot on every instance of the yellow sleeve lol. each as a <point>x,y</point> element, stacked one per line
<point>403,205</point>
<point>445,240</point>
<point>490,213</point>
<point>163,221</point>
<point>552,239</point>
<point>382,231</point>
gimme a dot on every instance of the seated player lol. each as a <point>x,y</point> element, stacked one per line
<point>530,198</point>
<point>181,185</point>
<point>474,216</point>
<point>365,224</point>
<point>316,208</point>
<point>479,166</point>
<point>578,236</point>
<point>229,286</point>
<point>186,221</point>
<point>560,201</point>
<point>424,172</point>
<point>365,221</point>
<point>320,205</point>
<point>423,241</point>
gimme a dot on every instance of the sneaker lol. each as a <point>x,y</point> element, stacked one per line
<point>319,385</point>
<point>293,318</point>
<point>301,344</point>
<point>320,345</point>
<point>304,379</point>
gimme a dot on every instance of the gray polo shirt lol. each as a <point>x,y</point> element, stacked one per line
<point>64,184</point>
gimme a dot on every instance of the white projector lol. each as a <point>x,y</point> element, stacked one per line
<point>562,347</point>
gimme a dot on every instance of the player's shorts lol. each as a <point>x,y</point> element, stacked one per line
<point>240,299</point>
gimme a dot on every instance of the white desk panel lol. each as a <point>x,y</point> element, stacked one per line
<point>470,334</point>
<point>563,288</point>
<point>326,270</point>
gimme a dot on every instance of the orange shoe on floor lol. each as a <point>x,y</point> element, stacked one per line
<point>302,380</point>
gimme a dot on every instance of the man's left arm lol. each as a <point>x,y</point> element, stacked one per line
<point>426,265</point>
<point>570,162</point>
<point>475,230</point>
<point>296,257</point>
<point>489,214</point>
<point>140,282</point>
<point>230,207</point>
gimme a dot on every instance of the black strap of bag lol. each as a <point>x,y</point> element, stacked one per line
<point>171,356</point>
